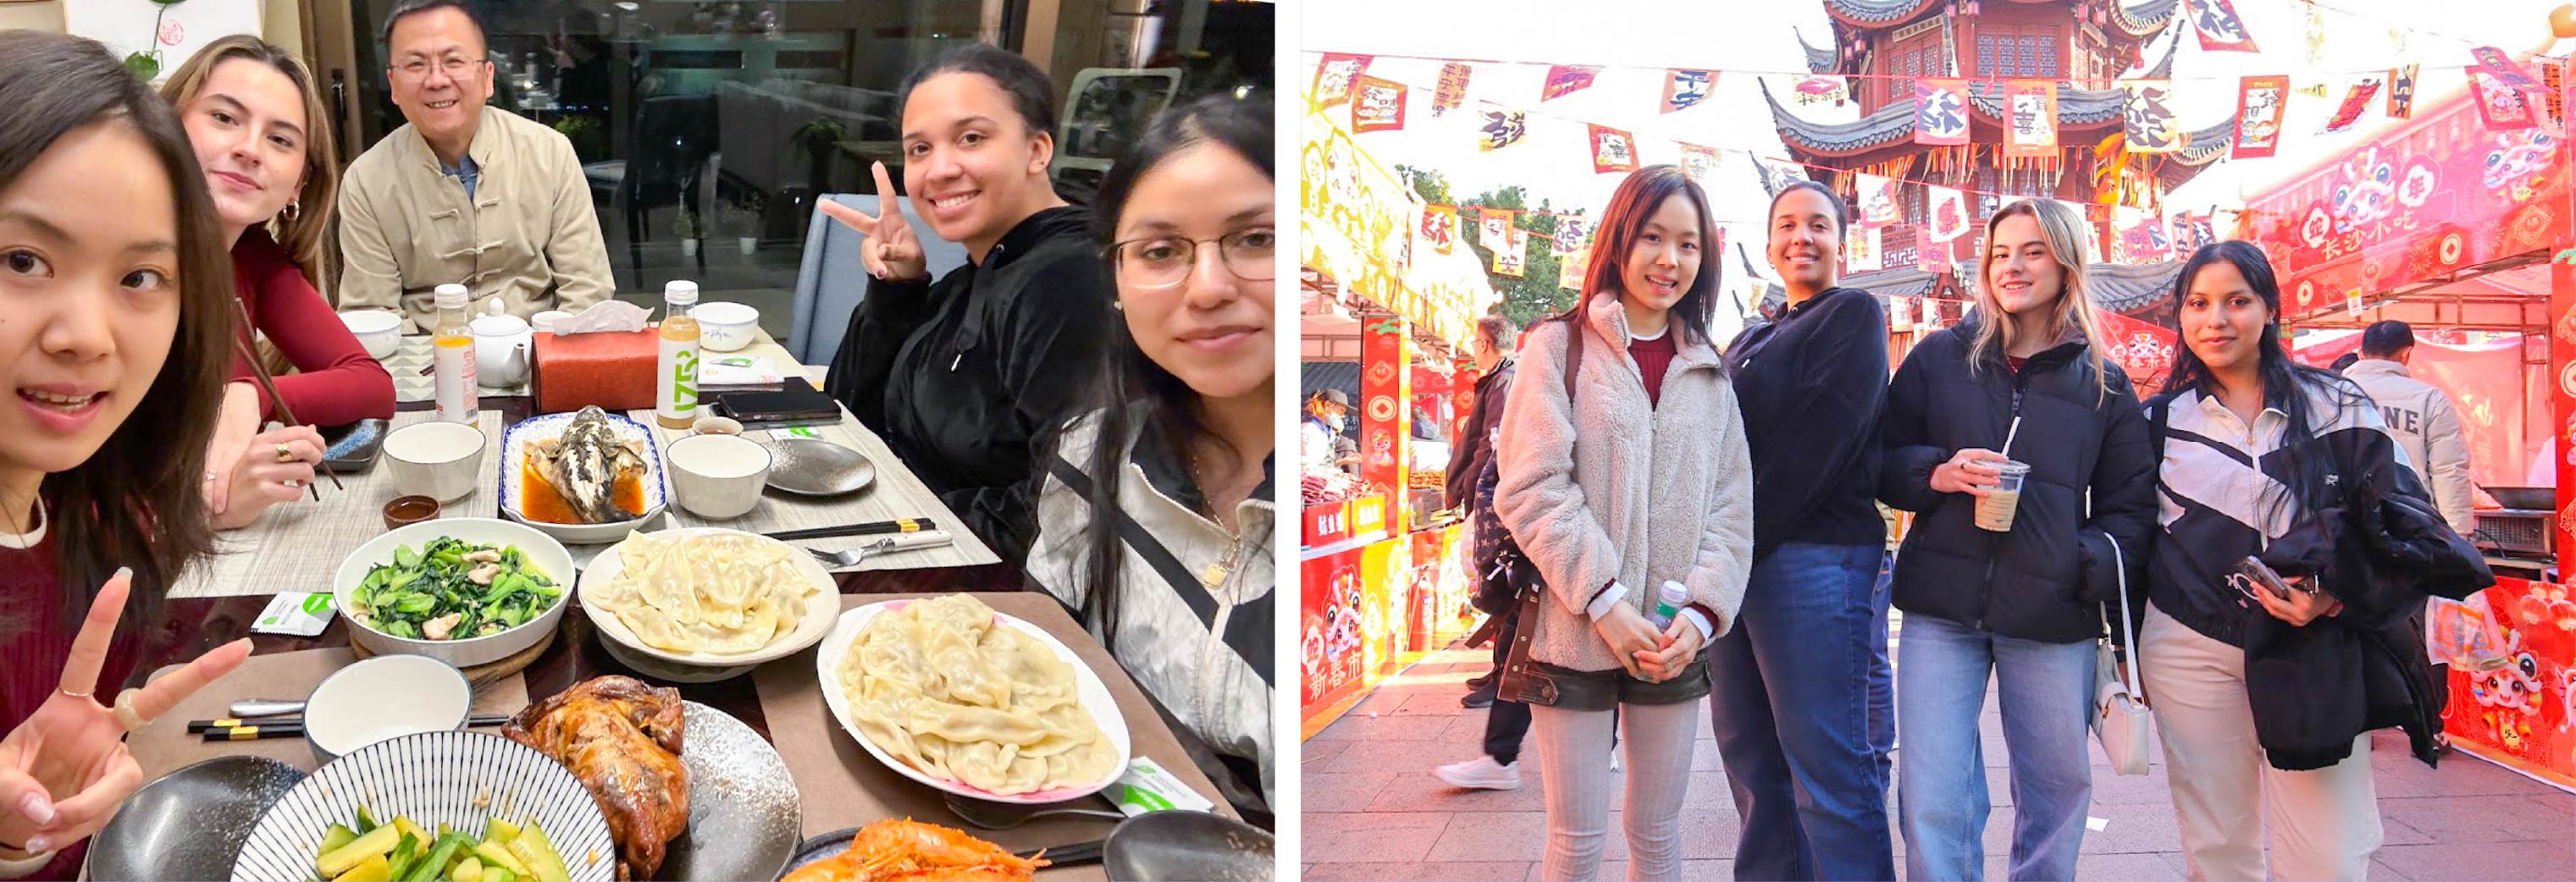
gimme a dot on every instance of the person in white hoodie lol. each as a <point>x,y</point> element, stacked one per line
<point>2420,419</point>
<point>1155,508</point>
<point>1628,478</point>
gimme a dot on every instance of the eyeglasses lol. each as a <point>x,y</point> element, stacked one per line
<point>453,66</point>
<point>1166,261</point>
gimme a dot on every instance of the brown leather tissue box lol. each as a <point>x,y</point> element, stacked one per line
<point>611,369</point>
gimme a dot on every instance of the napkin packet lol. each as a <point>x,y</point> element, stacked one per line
<point>602,356</point>
<point>295,615</point>
<point>1148,787</point>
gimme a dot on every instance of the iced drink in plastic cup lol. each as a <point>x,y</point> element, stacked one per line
<point>1995,509</point>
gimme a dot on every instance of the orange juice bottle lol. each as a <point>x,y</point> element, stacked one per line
<point>675,387</point>
<point>452,361</point>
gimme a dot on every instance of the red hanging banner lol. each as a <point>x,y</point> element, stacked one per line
<point>1452,91</point>
<point>2147,118</point>
<point>1335,77</point>
<point>1510,259</point>
<point>2258,116</point>
<point>2401,92</point>
<point>2219,27</point>
<point>2495,63</point>
<point>1497,224</point>
<point>1612,150</point>
<point>1566,79</point>
<point>1440,227</point>
<point>1700,163</point>
<point>1377,106</point>
<point>1876,198</point>
<point>2501,108</point>
<point>2030,109</point>
<point>1683,88</point>
<point>2355,103</point>
<point>1941,112</point>
<point>1946,211</point>
<point>1930,256</point>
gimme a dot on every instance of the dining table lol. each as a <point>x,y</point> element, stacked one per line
<point>839,784</point>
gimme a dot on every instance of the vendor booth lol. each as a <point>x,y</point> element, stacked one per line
<point>2454,227</point>
<point>1381,575</point>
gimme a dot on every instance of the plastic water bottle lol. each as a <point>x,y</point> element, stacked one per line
<point>1669,601</point>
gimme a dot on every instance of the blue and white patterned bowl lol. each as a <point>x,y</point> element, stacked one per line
<point>460,779</point>
<point>519,439</point>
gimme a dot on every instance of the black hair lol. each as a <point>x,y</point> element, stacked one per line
<point>1631,206</point>
<point>2345,360</point>
<point>135,500</point>
<point>2287,384</point>
<point>1032,93</point>
<point>2385,338</point>
<point>407,8</point>
<point>1134,396</point>
<point>1842,209</point>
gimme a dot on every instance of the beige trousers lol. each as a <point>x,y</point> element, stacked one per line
<point>2238,815</point>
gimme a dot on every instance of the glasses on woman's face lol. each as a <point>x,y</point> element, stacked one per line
<point>1165,261</point>
<point>454,66</point>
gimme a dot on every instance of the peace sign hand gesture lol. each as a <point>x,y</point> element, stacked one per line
<point>892,252</point>
<point>65,769</point>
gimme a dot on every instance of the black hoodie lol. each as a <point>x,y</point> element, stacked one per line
<point>1812,386</point>
<point>968,377</point>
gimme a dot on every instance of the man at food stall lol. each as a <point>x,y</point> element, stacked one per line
<point>464,193</point>
<point>1325,411</point>
<point>2420,419</point>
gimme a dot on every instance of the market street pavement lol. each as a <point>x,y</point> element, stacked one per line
<point>1372,810</point>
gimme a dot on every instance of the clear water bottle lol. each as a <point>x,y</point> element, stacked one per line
<point>1669,601</point>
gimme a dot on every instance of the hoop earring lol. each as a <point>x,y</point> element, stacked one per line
<point>294,209</point>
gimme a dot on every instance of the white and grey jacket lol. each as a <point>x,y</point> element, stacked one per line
<point>2427,429</point>
<point>1203,648</point>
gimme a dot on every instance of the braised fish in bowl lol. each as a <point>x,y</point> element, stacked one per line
<point>586,477</point>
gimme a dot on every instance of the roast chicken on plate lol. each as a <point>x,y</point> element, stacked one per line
<point>622,739</point>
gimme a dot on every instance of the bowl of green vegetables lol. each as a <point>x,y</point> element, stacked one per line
<point>466,591</point>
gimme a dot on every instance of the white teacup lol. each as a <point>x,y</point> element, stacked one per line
<point>725,326</point>
<point>719,476</point>
<point>378,331</point>
<point>440,460</point>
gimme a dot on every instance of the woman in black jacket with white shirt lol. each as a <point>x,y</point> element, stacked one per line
<point>2022,605</point>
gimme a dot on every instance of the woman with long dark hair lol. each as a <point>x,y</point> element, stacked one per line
<point>1627,486</point>
<point>256,121</point>
<point>118,333</point>
<point>2262,457</point>
<point>2018,605</point>
<point>965,378</point>
<point>1791,703</point>
<point>1157,507</point>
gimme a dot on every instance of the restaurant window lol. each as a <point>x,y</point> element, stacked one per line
<point>707,129</point>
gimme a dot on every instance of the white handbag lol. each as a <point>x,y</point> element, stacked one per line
<point>2120,719</point>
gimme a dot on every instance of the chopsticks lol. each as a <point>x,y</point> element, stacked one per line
<point>259,371</point>
<point>248,729</point>
<point>906,525</point>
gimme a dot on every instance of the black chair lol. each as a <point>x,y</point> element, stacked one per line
<point>674,134</point>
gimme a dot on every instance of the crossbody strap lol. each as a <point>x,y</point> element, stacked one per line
<point>2128,630</point>
<point>1250,641</point>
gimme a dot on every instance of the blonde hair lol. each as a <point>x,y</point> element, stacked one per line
<point>2064,232</point>
<point>306,236</point>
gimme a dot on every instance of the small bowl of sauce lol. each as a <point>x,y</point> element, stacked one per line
<point>407,510</point>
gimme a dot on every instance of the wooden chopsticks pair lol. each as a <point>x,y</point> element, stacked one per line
<point>259,371</point>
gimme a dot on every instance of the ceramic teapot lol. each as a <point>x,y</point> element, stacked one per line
<point>501,349</point>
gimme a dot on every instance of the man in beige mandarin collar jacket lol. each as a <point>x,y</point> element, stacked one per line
<point>527,234</point>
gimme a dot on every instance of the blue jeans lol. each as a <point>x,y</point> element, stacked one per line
<point>1882,678</point>
<point>1790,704</point>
<point>2045,690</point>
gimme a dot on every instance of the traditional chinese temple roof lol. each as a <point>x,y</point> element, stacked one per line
<point>1818,60</point>
<point>1876,13</point>
<point>1903,281</point>
<point>2132,22</point>
<point>2082,113</point>
<point>2143,17</point>
<point>2132,288</point>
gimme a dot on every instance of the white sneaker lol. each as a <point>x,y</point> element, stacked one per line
<point>1481,773</point>
<point>1614,761</point>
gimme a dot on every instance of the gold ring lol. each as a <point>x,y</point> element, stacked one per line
<point>126,713</point>
<point>284,454</point>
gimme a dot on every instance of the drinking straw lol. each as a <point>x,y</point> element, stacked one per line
<point>2008,438</point>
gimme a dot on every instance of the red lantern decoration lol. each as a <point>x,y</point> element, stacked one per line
<point>2562,21</point>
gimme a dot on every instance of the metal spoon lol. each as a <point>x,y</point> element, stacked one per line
<point>1004,815</point>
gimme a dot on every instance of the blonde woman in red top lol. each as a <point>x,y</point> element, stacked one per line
<point>256,123</point>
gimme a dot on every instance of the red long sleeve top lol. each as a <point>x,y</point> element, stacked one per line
<point>336,382</point>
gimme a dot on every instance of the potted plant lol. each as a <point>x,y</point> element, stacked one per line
<point>686,227</point>
<point>147,63</point>
<point>820,138</point>
<point>743,221</point>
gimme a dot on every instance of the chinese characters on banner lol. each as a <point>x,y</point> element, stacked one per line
<point>1452,91</point>
<point>2501,108</point>
<point>2493,62</point>
<point>2031,108</point>
<point>2190,233</point>
<point>1941,112</point>
<point>1612,150</point>
<point>1700,163</point>
<point>1502,127</point>
<point>1683,88</point>
<point>2401,92</point>
<point>2146,113</point>
<point>1571,233</point>
<point>1860,249</point>
<point>1376,106</point>
<point>1440,227</point>
<point>2258,116</point>
<point>1822,90</point>
<point>1570,268</point>
<point>2219,28</point>
<point>1930,256</point>
<point>1566,79</point>
<point>1497,227</point>
<point>1335,77</point>
<point>1877,198</point>
<point>1946,210</point>
<point>2355,103</point>
<point>1514,255</point>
